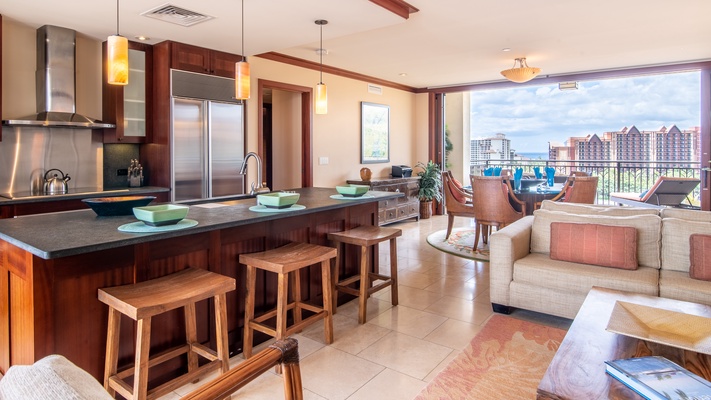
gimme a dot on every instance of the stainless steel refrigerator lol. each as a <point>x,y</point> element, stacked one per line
<point>207,137</point>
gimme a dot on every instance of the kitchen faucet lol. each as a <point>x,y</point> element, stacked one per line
<point>259,187</point>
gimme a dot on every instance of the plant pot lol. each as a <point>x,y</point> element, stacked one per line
<point>425,209</point>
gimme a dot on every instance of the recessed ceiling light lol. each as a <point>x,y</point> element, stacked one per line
<point>142,38</point>
<point>506,49</point>
<point>322,52</point>
<point>402,74</point>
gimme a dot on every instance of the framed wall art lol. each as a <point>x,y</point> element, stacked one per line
<point>375,133</point>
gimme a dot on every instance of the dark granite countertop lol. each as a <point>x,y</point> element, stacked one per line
<point>69,233</point>
<point>81,193</point>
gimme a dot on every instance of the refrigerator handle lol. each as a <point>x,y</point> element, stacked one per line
<point>206,143</point>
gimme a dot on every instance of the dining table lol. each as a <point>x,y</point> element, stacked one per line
<point>536,194</point>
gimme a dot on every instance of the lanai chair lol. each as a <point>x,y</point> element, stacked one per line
<point>666,191</point>
<point>492,198</point>
<point>457,200</point>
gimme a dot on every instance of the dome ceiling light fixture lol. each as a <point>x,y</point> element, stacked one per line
<point>522,73</point>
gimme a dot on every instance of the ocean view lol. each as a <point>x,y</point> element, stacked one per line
<point>534,156</point>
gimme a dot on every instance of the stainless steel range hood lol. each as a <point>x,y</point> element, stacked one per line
<point>56,86</point>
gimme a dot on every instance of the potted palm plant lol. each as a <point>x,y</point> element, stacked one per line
<point>430,187</point>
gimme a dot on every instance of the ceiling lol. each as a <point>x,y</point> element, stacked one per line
<point>448,42</point>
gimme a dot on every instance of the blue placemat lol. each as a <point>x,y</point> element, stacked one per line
<point>342,197</point>
<point>261,208</point>
<point>140,227</point>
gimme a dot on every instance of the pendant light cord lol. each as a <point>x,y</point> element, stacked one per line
<point>117,18</point>
<point>321,23</point>
<point>243,57</point>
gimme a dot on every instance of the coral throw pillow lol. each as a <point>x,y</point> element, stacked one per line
<point>455,188</point>
<point>603,245</point>
<point>700,254</point>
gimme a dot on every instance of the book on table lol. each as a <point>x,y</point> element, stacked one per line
<point>656,378</point>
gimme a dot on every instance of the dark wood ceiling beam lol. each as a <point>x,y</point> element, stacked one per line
<point>283,58</point>
<point>397,7</point>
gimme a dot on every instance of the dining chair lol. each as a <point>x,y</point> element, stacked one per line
<point>577,189</point>
<point>457,200</point>
<point>578,173</point>
<point>493,200</point>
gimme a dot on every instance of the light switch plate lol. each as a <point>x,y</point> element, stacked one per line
<point>323,161</point>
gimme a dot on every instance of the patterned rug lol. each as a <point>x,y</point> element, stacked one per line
<point>506,360</point>
<point>460,244</point>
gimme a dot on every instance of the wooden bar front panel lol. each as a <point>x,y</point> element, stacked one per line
<point>53,305</point>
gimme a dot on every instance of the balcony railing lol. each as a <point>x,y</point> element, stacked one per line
<point>614,176</point>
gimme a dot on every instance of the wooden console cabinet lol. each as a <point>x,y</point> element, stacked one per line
<point>393,210</point>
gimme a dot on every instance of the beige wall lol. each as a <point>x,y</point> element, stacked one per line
<point>336,135</point>
<point>286,140</point>
<point>19,65</point>
<point>458,122</point>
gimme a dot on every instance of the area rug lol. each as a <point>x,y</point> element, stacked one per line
<point>506,360</point>
<point>460,243</point>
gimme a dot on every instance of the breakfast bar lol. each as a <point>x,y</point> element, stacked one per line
<point>52,265</point>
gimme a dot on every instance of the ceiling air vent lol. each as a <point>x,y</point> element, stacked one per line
<point>176,15</point>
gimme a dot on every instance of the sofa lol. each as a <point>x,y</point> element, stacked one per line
<point>523,274</point>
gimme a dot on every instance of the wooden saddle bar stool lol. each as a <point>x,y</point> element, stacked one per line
<point>143,300</point>
<point>366,236</point>
<point>287,262</point>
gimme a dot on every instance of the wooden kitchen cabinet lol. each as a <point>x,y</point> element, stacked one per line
<point>130,106</point>
<point>205,61</point>
<point>394,210</point>
<point>169,55</point>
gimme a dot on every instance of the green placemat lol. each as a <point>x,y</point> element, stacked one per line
<point>261,208</point>
<point>342,197</point>
<point>140,227</point>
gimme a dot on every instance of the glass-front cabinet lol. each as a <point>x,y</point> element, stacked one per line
<point>129,107</point>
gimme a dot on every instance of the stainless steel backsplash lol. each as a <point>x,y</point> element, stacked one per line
<point>26,153</point>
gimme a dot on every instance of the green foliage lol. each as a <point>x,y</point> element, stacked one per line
<point>430,181</point>
<point>448,147</point>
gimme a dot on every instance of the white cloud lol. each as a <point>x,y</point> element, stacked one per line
<point>533,116</point>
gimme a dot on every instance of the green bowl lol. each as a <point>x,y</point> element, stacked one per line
<point>164,214</point>
<point>278,199</point>
<point>353,190</point>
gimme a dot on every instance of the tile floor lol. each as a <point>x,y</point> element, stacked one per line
<point>443,303</point>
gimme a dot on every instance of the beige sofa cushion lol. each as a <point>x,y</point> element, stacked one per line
<point>539,270</point>
<point>53,377</point>
<point>648,232</point>
<point>675,242</point>
<point>596,209</point>
<point>678,285</point>
<point>690,215</point>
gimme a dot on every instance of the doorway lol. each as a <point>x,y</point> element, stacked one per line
<point>284,137</point>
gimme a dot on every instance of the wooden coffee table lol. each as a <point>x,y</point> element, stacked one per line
<point>578,368</point>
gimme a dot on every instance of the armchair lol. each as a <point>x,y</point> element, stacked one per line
<point>456,199</point>
<point>492,198</point>
<point>578,189</point>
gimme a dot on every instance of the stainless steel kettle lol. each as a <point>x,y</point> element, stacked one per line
<point>55,184</point>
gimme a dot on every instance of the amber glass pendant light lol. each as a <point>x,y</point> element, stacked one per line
<point>242,71</point>
<point>117,59</point>
<point>321,102</point>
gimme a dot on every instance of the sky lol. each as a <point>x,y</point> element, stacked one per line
<point>532,116</point>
